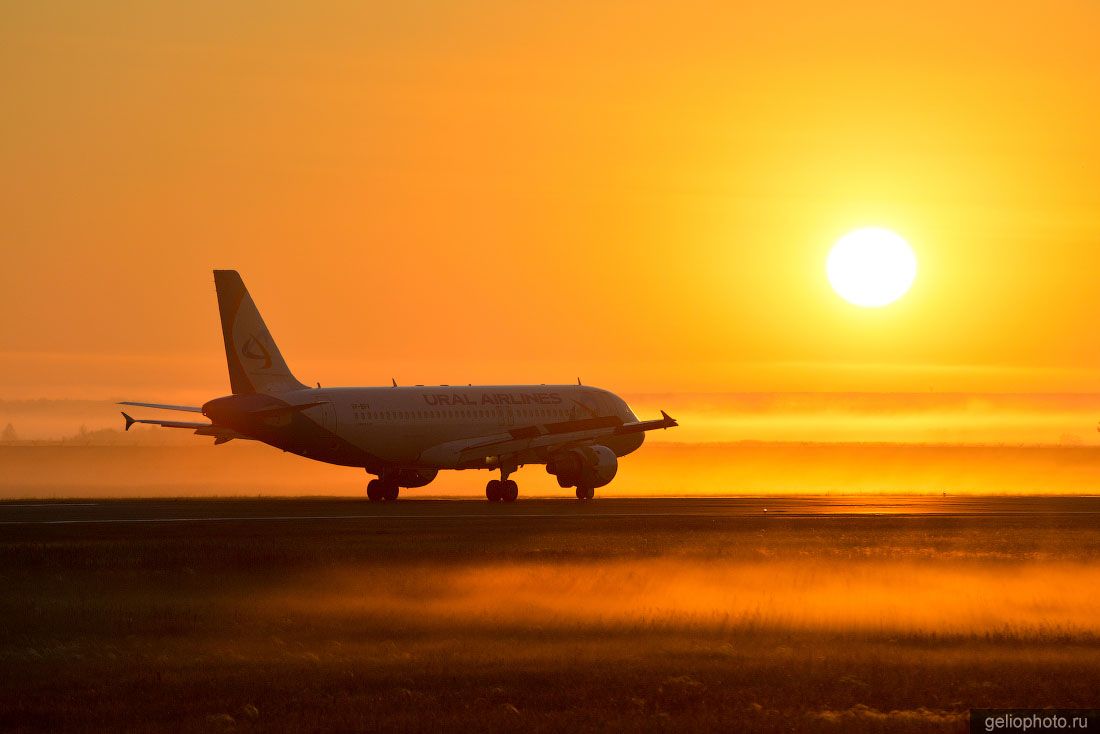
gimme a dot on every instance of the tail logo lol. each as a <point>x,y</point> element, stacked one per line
<point>255,349</point>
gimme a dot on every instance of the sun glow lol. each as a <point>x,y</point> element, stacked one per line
<point>871,267</point>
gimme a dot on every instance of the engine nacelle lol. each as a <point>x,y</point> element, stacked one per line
<point>412,477</point>
<point>584,466</point>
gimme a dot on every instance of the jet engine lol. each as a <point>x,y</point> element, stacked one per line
<point>584,466</point>
<point>412,477</point>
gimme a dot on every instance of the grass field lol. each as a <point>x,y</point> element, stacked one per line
<point>636,615</point>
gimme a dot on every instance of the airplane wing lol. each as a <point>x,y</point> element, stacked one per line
<point>549,436</point>
<point>665,421</point>
<point>162,406</point>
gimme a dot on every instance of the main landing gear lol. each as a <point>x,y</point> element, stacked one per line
<point>503,489</point>
<point>586,493</point>
<point>379,490</point>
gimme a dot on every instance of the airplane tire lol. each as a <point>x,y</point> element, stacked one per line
<point>586,493</point>
<point>391,492</point>
<point>509,491</point>
<point>375,490</point>
<point>493,490</point>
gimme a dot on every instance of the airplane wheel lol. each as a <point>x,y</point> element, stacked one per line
<point>509,491</point>
<point>392,490</point>
<point>375,490</point>
<point>493,490</point>
<point>586,493</point>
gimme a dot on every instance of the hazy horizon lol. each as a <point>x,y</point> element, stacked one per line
<point>938,418</point>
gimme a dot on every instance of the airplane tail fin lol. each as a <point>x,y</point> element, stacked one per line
<point>255,363</point>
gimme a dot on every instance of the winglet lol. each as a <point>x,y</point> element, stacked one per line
<point>669,420</point>
<point>129,421</point>
<point>394,381</point>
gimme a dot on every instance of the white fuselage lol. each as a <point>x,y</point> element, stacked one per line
<point>433,427</point>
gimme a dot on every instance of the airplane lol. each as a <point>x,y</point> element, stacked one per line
<point>404,435</point>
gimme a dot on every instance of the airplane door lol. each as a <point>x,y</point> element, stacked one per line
<point>328,412</point>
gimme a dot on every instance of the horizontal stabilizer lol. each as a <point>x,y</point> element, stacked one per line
<point>221,434</point>
<point>164,424</point>
<point>162,406</point>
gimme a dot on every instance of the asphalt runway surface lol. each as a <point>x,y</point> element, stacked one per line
<point>325,509</point>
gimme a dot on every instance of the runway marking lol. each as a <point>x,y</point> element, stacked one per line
<point>541,516</point>
<point>52,504</point>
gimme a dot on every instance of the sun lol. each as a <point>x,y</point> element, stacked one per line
<point>871,267</point>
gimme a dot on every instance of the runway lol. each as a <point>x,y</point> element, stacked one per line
<point>157,614</point>
<point>320,510</point>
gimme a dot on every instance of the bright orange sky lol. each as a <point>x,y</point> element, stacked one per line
<point>642,194</point>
